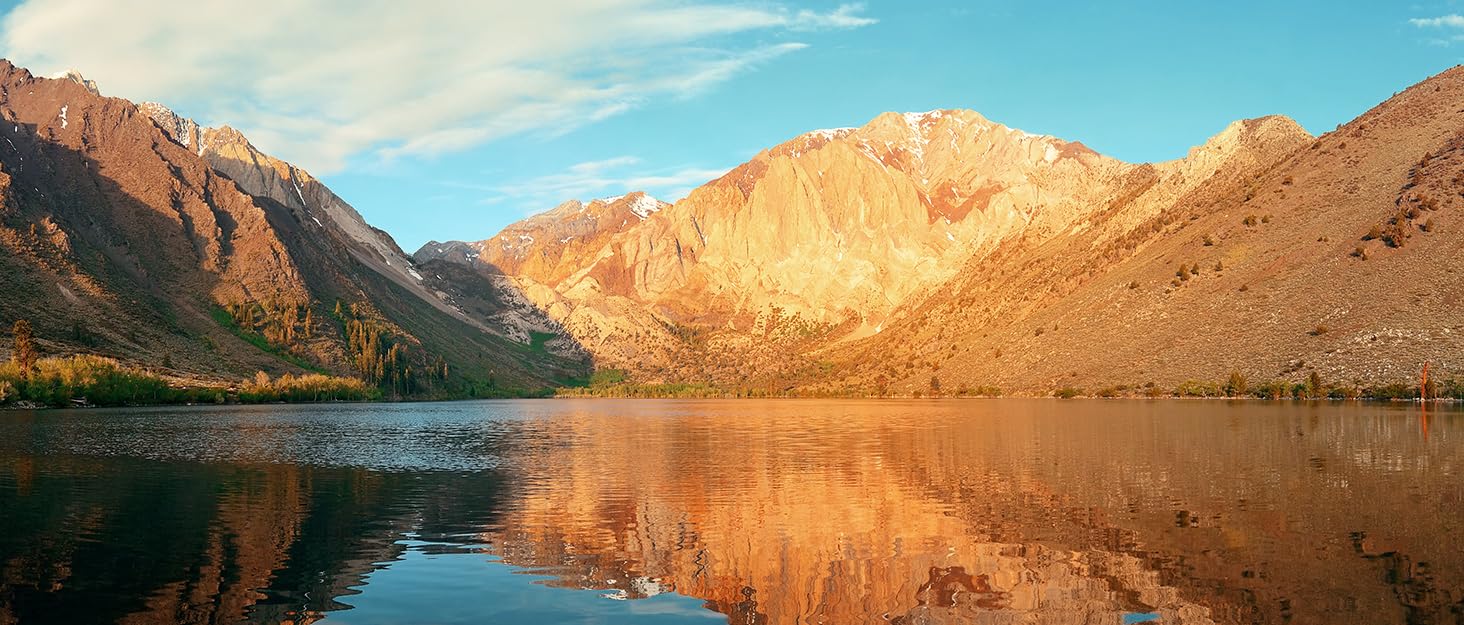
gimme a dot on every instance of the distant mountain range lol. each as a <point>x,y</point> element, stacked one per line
<point>922,252</point>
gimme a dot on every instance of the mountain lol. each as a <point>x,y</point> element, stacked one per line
<point>944,250</point>
<point>827,238</point>
<point>936,251</point>
<point>130,231</point>
<point>1338,259</point>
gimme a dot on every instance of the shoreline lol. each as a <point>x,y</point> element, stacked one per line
<point>871,398</point>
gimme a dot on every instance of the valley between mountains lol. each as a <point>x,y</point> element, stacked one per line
<point>922,253</point>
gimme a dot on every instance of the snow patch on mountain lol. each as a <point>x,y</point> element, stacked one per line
<point>829,134</point>
<point>643,205</point>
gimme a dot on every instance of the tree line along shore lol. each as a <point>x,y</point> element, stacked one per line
<point>29,380</point>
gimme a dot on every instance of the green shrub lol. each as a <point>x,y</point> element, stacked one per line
<point>1274,389</point>
<point>86,379</point>
<point>308,387</point>
<point>1196,388</point>
<point>1391,392</point>
<point>1236,385</point>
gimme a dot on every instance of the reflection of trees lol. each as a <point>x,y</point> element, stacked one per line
<point>207,543</point>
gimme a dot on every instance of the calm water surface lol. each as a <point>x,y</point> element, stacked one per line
<point>780,512</point>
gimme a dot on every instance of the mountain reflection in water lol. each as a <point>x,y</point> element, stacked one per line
<point>778,512</point>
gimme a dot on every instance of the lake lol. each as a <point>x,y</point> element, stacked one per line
<point>744,512</point>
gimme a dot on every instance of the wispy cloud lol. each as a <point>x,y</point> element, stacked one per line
<point>1446,23</point>
<point>1449,21</point>
<point>846,16</point>
<point>593,179</point>
<point>320,82</point>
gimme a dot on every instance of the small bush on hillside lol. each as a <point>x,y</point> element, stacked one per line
<point>1236,385</point>
<point>1394,234</point>
<point>1067,392</point>
<point>1359,253</point>
<point>1320,329</point>
<point>1251,220</point>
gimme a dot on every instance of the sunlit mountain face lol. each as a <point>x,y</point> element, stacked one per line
<point>995,512</point>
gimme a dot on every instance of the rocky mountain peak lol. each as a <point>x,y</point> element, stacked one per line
<point>76,77</point>
<point>1250,133</point>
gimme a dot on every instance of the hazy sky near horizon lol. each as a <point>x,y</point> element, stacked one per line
<point>445,120</point>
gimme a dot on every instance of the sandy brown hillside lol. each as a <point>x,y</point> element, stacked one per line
<point>130,232</point>
<point>1343,258</point>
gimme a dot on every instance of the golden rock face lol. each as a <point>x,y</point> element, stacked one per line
<point>839,234</point>
<point>940,251</point>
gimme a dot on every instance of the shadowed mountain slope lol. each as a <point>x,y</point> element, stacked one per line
<point>130,232</point>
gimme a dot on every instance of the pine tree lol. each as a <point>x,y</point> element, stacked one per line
<point>1237,384</point>
<point>291,319</point>
<point>24,351</point>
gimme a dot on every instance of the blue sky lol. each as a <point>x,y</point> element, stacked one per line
<point>443,122</point>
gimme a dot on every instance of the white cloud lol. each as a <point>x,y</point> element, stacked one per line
<point>318,82</point>
<point>593,179</point>
<point>1450,21</point>
<point>846,16</point>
